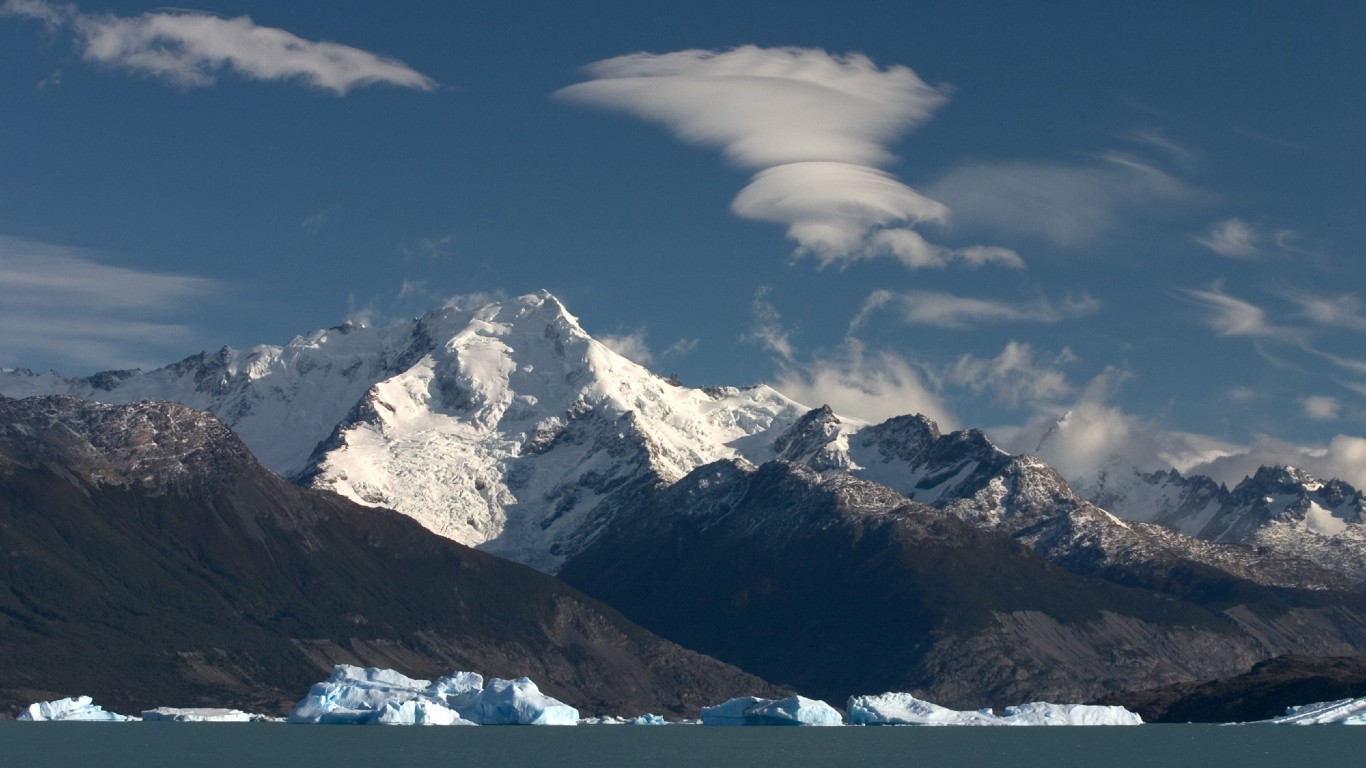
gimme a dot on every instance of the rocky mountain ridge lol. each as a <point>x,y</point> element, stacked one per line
<point>149,558</point>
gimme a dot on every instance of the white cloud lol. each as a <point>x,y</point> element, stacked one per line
<point>1231,316</point>
<point>1233,238</point>
<point>190,49</point>
<point>1344,457</point>
<point>65,305</point>
<point>768,329</point>
<point>945,310</point>
<point>1321,407</point>
<point>682,347</point>
<point>813,126</point>
<point>631,346</point>
<point>1092,436</point>
<point>1066,204</point>
<point>872,387</point>
<point>1013,377</point>
<point>1344,311</point>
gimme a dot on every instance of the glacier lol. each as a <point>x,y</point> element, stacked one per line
<point>371,696</point>
<point>78,708</point>
<point>906,709</point>
<point>752,710</point>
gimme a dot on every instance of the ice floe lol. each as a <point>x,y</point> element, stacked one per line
<point>905,709</point>
<point>352,695</point>
<point>200,715</point>
<point>751,710</point>
<point>77,708</point>
<point>1340,712</point>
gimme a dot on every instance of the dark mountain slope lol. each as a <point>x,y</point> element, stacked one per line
<point>147,559</point>
<point>838,586</point>
<point>1262,693</point>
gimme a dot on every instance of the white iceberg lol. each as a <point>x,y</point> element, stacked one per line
<point>199,715</point>
<point>615,720</point>
<point>905,709</point>
<point>517,702</point>
<point>80,708</point>
<point>751,710</point>
<point>1340,712</point>
<point>352,695</point>
<point>1043,713</point>
<point>384,697</point>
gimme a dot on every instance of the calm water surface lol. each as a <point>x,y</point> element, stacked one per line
<point>257,744</point>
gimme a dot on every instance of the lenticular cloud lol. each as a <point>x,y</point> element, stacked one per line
<point>813,126</point>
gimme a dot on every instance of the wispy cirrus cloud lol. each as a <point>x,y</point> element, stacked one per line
<point>1067,204</point>
<point>1232,316</point>
<point>946,310</point>
<point>67,306</point>
<point>1342,311</point>
<point>1233,238</point>
<point>814,127</point>
<point>191,49</point>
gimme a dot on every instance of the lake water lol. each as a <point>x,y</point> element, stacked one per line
<point>186,745</point>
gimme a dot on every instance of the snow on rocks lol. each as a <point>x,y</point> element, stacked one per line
<point>352,695</point>
<point>79,708</point>
<point>905,709</point>
<point>751,710</point>
<point>1341,712</point>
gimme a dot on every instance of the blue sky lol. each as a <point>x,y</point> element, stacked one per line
<point>996,213</point>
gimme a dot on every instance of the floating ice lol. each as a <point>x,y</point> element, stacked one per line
<point>517,702</point>
<point>1340,712</point>
<point>352,695</point>
<point>199,715</point>
<point>905,709</point>
<point>384,697</point>
<point>1043,713</point>
<point>78,708</point>
<point>751,710</point>
<point>614,720</point>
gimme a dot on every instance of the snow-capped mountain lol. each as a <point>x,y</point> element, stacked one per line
<point>504,426</point>
<point>1281,510</point>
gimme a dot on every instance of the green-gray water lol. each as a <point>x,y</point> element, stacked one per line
<point>148,745</point>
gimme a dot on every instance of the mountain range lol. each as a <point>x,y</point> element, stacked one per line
<point>814,550</point>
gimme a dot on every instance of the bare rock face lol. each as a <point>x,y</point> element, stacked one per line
<point>148,558</point>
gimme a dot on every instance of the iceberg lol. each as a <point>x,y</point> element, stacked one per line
<point>80,708</point>
<point>517,702</point>
<point>1340,712</point>
<point>199,715</point>
<point>356,696</point>
<point>751,710</point>
<point>905,709</point>
<point>371,696</point>
<point>615,720</point>
<point>1043,713</point>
